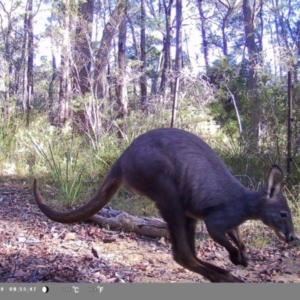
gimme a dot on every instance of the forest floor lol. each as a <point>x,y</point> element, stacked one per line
<point>35,249</point>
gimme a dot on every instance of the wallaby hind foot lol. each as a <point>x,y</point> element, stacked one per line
<point>241,257</point>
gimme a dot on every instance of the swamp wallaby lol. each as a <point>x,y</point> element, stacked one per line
<point>188,182</point>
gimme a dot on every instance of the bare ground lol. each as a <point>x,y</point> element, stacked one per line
<point>35,249</point>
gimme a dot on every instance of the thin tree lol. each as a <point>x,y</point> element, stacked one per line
<point>28,53</point>
<point>102,55</point>
<point>203,24</point>
<point>143,79</point>
<point>178,59</point>
<point>121,85</point>
<point>225,10</point>
<point>65,67</point>
<point>136,49</point>
<point>250,14</point>
<point>82,48</point>
<point>81,71</point>
<point>51,91</point>
<point>166,45</point>
<point>7,37</point>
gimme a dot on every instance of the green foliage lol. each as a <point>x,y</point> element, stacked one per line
<point>134,204</point>
<point>8,128</point>
<point>68,174</point>
<point>73,163</point>
<point>108,150</point>
<point>230,81</point>
<point>77,168</point>
<point>251,169</point>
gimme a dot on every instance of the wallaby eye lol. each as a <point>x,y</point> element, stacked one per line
<point>283,214</point>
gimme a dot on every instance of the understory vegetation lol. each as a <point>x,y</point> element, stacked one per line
<point>70,167</point>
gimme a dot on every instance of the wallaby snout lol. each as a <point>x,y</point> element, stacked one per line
<point>291,237</point>
<point>286,237</point>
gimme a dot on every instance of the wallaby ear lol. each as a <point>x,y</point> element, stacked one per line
<point>275,181</point>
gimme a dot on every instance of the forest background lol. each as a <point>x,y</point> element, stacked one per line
<point>81,79</point>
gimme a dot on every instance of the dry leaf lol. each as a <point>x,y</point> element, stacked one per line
<point>108,239</point>
<point>70,236</point>
<point>95,253</point>
<point>219,256</point>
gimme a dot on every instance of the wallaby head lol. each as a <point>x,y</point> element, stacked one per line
<point>275,211</point>
<point>188,181</point>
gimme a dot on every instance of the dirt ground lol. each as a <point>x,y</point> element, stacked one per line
<point>35,249</point>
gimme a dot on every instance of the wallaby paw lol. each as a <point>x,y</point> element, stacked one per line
<point>224,278</point>
<point>244,259</point>
<point>239,258</point>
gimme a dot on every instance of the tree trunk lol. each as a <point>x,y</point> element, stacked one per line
<point>136,49</point>
<point>82,48</point>
<point>51,92</point>
<point>110,29</point>
<point>225,20</point>
<point>178,59</point>
<point>8,82</point>
<point>29,98</point>
<point>255,113</point>
<point>121,85</point>
<point>278,36</point>
<point>143,79</point>
<point>134,42</point>
<point>166,46</point>
<point>26,65</point>
<point>203,33</point>
<point>82,62</point>
<point>65,72</point>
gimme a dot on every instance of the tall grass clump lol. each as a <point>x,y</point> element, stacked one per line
<point>9,127</point>
<point>67,172</point>
<point>68,161</point>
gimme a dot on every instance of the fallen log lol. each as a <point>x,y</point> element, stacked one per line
<point>115,220</point>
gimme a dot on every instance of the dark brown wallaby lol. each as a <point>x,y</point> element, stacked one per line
<point>188,181</point>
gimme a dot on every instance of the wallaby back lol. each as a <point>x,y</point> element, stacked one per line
<point>188,181</point>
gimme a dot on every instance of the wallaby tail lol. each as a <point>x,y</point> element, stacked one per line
<point>111,184</point>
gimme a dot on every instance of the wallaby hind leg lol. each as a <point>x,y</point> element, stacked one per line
<point>190,228</point>
<point>220,237</point>
<point>174,216</point>
<point>236,237</point>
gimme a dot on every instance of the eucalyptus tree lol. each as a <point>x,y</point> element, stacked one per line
<point>178,60</point>
<point>284,29</point>
<point>17,43</point>
<point>143,79</point>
